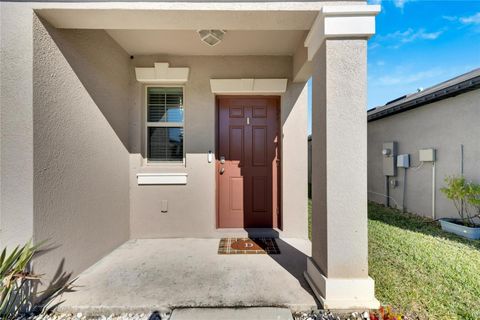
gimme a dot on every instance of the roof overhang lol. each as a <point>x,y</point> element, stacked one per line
<point>290,20</point>
<point>175,19</point>
<point>424,98</point>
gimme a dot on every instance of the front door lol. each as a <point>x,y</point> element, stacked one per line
<point>248,162</point>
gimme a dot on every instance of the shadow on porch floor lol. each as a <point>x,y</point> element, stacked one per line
<point>163,274</point>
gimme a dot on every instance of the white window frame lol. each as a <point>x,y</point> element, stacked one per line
<point>147,125</point>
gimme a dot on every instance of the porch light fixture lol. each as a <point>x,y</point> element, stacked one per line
<point>211,37</point>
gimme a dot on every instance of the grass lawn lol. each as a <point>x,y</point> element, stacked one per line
<point>420,270</point>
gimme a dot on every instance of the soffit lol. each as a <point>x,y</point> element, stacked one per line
<point>187,42</point>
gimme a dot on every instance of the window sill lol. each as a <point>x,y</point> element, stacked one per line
<point>162,178</point>
<point>178,165</point>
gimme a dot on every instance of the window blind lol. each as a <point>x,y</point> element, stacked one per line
<point>165,124</point>
<point>165,104</point>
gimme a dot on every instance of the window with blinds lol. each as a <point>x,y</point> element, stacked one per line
<point>165,124</point>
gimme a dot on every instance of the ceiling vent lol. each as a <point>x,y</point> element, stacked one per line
<point>211,37</point>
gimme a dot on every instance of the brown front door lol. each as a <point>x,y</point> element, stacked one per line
<point>248,162</point>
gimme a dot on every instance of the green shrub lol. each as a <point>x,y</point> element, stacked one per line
<point>473,198</point>
<point>465,197</point>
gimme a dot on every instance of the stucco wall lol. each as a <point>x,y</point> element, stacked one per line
<point>76,72</point>
<point>16,129</point>
<point>191,207</point>
<point>443,125</point>
<point>81,86</point>
<point>339,159</point>
<point>295,160</point>
<point>310,160</point>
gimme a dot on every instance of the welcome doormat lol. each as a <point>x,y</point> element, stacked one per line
<point>248,246</point>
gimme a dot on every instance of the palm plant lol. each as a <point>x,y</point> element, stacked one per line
<point>15,279</point>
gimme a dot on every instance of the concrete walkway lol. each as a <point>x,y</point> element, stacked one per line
<point>232,314</point>
<point>164,274</point>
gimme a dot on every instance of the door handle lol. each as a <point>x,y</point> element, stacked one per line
<point>222,170</point>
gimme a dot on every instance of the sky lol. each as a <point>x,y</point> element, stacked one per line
<point>419,44</point>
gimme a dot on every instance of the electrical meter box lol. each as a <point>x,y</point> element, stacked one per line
<point>426,155</point>
<point>389,153</point>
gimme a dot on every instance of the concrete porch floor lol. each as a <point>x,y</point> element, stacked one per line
<point>164,274</point>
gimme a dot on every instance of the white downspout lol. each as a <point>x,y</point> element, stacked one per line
<point>433,190</point>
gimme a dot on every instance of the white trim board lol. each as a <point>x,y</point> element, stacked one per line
<point>161,178</point>
<point>161,73</point>
<point>348,22</point>
<point>248,86</point>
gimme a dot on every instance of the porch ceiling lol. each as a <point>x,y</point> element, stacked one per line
<point>254,31</point>
<point>187,42</point>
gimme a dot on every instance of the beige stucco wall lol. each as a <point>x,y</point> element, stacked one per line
<point>295,160</point>
<point>81,83</point>
<point>191,207</point>
<point>16,126</point>
<point>310,160</point>
<point>71,137</point>
<point>443,125</point>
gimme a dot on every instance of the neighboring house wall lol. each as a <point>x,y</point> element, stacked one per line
<point>310,160</point>
<point>443,125</point>
<point>191,207</point>
<point>81,93</point>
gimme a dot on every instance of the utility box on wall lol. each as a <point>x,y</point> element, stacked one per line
<point>426,155</point>
<point>403,161</point>
<point>389,153</point>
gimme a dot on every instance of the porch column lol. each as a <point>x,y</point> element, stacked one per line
<point>338,268</point>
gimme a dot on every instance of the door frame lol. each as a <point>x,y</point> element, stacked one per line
<point>278,99</point>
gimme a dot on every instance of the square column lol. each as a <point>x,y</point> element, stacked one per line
<point>337,49</point>
<point>338,269</point>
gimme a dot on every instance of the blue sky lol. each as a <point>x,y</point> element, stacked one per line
<point>420,43</point>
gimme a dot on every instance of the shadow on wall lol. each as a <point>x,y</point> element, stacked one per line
<point>91,67</point>
<point>49,298</point>
<point>80,124</point>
